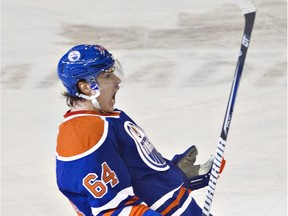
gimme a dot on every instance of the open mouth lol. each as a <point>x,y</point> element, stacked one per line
<point>113,97</point>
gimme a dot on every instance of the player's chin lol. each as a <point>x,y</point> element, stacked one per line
<point>108,107</point>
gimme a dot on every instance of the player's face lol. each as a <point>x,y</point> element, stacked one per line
<point>108,85</point>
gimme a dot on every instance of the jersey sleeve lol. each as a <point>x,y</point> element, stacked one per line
<point>92,175</point>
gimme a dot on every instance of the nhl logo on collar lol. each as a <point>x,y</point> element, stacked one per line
<point>146,150</point>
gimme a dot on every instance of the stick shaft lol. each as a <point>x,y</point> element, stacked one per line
<point>249,11</point>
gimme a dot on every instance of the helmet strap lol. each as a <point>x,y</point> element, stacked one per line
<point>93,98</point>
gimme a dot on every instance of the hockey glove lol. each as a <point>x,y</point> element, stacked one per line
<point>197,175</point>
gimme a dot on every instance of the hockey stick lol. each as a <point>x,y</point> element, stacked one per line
<point>248,9</point>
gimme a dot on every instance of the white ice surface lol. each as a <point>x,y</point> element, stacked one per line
<point>179,58</point>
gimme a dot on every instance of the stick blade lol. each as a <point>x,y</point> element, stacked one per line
<point>246,6</point>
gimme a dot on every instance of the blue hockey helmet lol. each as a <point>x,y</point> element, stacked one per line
<point>83,62</point>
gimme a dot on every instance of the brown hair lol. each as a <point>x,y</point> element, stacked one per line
<point>72,100</point>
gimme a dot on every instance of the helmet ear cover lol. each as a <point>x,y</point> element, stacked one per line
<point>92,80</point>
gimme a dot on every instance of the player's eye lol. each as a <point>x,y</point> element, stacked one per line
<point>107,75</point>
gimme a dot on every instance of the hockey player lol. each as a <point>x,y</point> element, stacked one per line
<point>106,164</point>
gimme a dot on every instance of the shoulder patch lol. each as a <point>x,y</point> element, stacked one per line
<point>145,149</point>
<point>80,136</point>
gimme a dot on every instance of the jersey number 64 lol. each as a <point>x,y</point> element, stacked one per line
<point>98,187</point>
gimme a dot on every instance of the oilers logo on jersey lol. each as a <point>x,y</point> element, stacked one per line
<point>146,150</point>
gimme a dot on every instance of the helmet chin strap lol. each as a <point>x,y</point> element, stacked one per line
<point>93,98</point>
